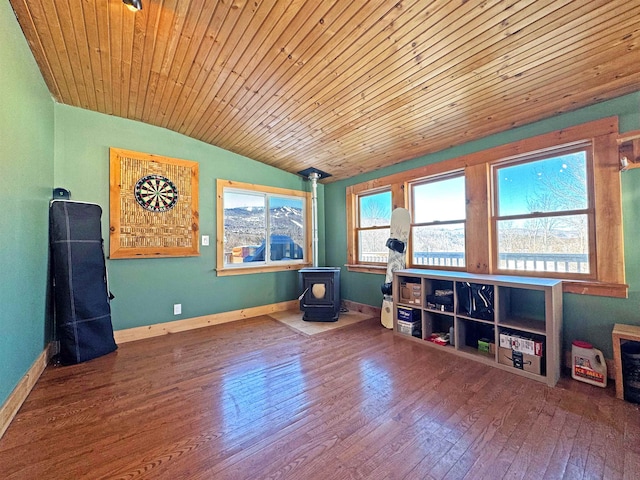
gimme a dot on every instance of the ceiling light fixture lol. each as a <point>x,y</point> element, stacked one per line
<point>133,5</point>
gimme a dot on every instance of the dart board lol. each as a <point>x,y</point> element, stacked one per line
<point>156,193</point>
<point>153,205</point>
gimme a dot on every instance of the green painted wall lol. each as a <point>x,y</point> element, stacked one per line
<point>146,289</point>
<point>26,163</point>
<point>585,317</point>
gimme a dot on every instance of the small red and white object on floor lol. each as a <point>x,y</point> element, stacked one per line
<point>438,338</point>
<point>587,364</point>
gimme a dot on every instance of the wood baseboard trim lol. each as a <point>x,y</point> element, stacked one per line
<point>362,308</point>
<point>158,329</point>
<point>15,400</point>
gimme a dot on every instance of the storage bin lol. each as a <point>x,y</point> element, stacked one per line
<point>408,314</point>
<point>410,328</point>
<point>410,292</point>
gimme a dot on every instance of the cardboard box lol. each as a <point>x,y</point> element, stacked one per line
<point>407,314</point>
<point>409,328</point>
<point>411,293</point>
<point>521,344</point>
<point>519,360</point>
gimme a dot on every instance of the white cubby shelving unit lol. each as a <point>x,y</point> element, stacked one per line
<point>527,307</point>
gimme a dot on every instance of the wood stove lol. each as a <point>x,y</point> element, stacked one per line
<point>320,286</point>
<point>320,300</point>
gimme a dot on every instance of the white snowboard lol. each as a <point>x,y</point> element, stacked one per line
<point>400,226</point>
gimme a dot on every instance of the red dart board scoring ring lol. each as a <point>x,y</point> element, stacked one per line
<point>156,193</point>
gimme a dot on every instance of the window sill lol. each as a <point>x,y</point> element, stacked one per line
<point>600,289</point>
<point>579,287</point>
<point>367,268</point>
<point>222,272</point>
<point>383,268</point>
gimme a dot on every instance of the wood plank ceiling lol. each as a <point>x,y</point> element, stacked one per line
<point>343,86</point>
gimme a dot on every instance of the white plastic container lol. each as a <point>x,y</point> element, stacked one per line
<point>588,364</point>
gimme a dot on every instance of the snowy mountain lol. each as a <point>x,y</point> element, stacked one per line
<point>246,225</point>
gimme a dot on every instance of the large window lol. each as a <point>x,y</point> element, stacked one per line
<point>546,206</point>
<point>261,227</point>
<point>542,216</point>
<point>372,230</point>
<point>438,211</point>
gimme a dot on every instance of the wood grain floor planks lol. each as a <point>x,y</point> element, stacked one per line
<point>254,399</point>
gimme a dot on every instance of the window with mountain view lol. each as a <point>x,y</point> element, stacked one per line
<point>372,230</point>
<point>262,227</point>
<point>543,206</point>
<point>542,215</point>
<point>438,221</point>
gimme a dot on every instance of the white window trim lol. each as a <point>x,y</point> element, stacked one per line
<point>265,266</point>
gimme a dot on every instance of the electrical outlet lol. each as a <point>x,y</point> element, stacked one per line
<point>205,240</point>
<point>177,308</point>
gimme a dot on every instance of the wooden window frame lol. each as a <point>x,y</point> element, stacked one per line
<point>606,195</point>
<point>411,202</point>
<point>357,228</point>
<point>589,211</point>
<point>221,269</point>
<point>353,193</point>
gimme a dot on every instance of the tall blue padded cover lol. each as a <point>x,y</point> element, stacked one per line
<point>79,275</point>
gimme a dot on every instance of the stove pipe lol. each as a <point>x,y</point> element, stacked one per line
<point>314,177</point>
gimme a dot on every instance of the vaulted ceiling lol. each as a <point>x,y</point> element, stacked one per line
<point>342,86</point>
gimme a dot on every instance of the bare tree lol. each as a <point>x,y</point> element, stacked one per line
<point>555,190</point>
<point>374,213</point>
<point>562,190</point>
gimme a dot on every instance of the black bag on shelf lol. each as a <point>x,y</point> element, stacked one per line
<point>475,300</point>
<point>440,299</point>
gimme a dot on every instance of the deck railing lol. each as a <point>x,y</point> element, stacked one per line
<point>535,262</point>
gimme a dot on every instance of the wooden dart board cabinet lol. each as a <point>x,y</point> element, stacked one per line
<point>153,206</point>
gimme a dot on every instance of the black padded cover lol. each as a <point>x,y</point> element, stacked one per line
<point>81,297</point>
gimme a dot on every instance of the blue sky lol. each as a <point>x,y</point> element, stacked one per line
<point>246,199</point>
<point>442,201</point>
<point>379,203</point>
<point>517,184</point>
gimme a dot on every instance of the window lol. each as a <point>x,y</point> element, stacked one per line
<point>438,214</point>
<point>372,231</point>
<point>542,215</point>
<point>546,206</point>
<point>262,228</point>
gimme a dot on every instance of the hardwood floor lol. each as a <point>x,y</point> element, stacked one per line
<point>254,399</point>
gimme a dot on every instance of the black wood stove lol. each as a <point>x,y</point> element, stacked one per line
<point>320,300</point>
